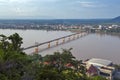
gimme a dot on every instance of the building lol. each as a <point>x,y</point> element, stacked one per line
<point>92,71</point>
<point>104,68</point>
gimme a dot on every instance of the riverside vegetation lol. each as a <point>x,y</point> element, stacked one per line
<point>17,65</point>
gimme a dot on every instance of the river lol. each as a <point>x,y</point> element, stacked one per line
<point>91,46</point>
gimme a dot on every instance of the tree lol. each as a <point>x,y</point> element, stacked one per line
<point>12,62</point>
<point>16,41</point>
<point>97,78</point>
<point>4,45</point>
<point>49,75</point>
<point>67,56</point>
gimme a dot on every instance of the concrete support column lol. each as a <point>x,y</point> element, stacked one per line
<point>78,36</point>
<point>63,40</point>
<point>69,39</point>
<point>57,43</point>
<point>36,50</point>
<point>49,45</point>
<point>73,37</point>
<point>81,35</point>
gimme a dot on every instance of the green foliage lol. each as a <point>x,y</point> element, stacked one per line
<point>12,60</point>
<point>97,78</point>
<point>16,41</point>
<point>49,75</point>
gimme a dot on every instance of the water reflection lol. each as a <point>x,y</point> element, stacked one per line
<point>109,34</point>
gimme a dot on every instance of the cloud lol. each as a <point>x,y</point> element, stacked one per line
<point>20,1</point>
<point>87,4</point>
<point>50,0</point>
<point>26,1</point>
<point>56,8</point>
<point>91,4</point>
<point>3,1</point>
<point>16,1</point>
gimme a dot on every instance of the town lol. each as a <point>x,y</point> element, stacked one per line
<point>38,25</point>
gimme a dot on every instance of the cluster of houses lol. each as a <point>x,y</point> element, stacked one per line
<point>105,28</point>
<point>103,68</point>
<point>98,67</point>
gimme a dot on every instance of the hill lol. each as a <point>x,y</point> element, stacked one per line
<point>117,19</point>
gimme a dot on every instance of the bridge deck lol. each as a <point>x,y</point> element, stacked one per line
<point>49,41</point>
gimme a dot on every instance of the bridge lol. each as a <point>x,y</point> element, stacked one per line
<point>64,40</point>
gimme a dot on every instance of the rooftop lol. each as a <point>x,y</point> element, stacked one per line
<point>99,62</point>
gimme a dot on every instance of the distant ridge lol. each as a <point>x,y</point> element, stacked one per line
<point>62,21</point>
<point>117,19</point>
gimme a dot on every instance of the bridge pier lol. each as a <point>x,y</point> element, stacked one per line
<point>69,39</point>
<point>49,45</point>
<point>36,50</point>
<point>73,37</point>
<point>78,36</point>
<point>81,35</point>
<point>63,40</point>
<point>57,43</point>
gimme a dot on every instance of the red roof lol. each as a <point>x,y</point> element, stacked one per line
<point>92,70</point>
<point>68,65</point>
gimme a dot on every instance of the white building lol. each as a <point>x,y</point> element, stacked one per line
<point>104,67</point>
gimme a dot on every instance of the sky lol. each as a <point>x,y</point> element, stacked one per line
<point>59,9</point>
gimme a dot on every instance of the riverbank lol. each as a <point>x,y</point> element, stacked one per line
<point>76,30</point>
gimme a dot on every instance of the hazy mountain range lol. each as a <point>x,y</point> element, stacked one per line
<point>63,21</point>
